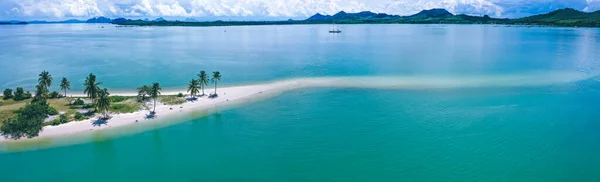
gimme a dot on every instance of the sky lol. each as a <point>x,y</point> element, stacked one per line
<point>270,9</point>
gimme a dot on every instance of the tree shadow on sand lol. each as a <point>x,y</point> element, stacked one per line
<point>100,122</point>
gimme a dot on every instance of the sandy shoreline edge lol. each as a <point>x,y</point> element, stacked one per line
<point>229,96</point>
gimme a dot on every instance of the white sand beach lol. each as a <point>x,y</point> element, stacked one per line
<point>229,96</point>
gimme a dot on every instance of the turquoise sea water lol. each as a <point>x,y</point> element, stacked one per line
<point>531,133</point>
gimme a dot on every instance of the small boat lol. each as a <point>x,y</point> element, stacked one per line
<point>334,29</point>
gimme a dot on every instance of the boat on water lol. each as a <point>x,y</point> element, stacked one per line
<point>334,29</point>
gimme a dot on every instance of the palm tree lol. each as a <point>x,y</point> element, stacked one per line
<point>103,102</point>
<point>154,93</point>
<point>65,85</point>
<point>193,87</point>
<point>91,87</point>
<point>45,79</point>
<point>41,93</point>
<point>215,79</point>
<point>203,80</point>
<point>143,91</point>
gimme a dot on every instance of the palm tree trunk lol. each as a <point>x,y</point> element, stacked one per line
<point>202,87</point>
<point>215,87</point>
<point>65,92</point>
<point>154,111</point>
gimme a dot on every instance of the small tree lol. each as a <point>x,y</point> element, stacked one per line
<point>8,94</point>
<point>28,122</point>
<point>143,91</point>
<point>203,79</point>
<point>20,94</point>
<point>215,79</point>
<point>154,93</point>
<point>103,102</point>
<point>193,88</point>
<point>65,85</point>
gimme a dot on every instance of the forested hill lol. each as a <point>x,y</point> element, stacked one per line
<point>562,17</point>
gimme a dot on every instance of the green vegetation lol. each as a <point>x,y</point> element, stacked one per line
<point>78,116</point>
<point>143,91</point>
<point>22,115</point>
<point>62,119</point>
<point>65,85</point>
<point>563,17</point>
<point>78,102</point>
<point>193,88</point>
<point>27,123</point>
<point>119,98</point>
<point>154,93</point>
<point>8,94</point>
<point>55,95</point>
<point>125,107</point>
<point>215,79</point>
<point>203,78</point>
<point>171,100</point>
<point>103,102</point>
<point>91,87</point>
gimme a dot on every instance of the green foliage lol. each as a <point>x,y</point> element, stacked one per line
<point>203,78</point>
<point>28,95</point>
<point>78,116</point>
<point>143,91</point>
<point>45,79</point>
<point>78,102</point>
<point>563,17</point>
<point>8,94</point>
<point>91,87</point>
<point>55,95</point>
<point>52,111</point>
<point>215,79</point>
<point>20,94</point>
<point>28,122</point>
<point>65,85</point>
<point>125,108</point>
<point>194,87</point>
<point>55,122</point>
<point>118,98</point>
<point>154,93</point>
<point>171,100</point>
<point>104,101</point>
<point>179,95</point>
<point>63,119</point>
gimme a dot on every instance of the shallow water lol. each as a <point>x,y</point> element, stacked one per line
<point>542,127</point>
<point>124,58</point>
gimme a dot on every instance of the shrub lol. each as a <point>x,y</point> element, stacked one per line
<point>8,93</point>
<point>52,111</point>
<point>180,95</point>
<point>79,116</point>
<point>63,119</point>
<point>19,94</point>
<point>118,98</point>
<point>78,102</point>
<point>28,95</point>
<point>55,95</point>
<point>55,122</point>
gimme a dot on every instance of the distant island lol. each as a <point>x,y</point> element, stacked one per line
<point>567,17</point>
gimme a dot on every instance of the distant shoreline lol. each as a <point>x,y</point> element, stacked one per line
<point>566,17</point>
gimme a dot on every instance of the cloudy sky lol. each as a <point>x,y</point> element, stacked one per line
<point>273,9</point>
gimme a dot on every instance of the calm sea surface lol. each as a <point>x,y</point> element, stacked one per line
<point>537,133</point>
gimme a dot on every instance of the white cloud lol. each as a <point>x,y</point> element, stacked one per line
<point>61,9</point>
